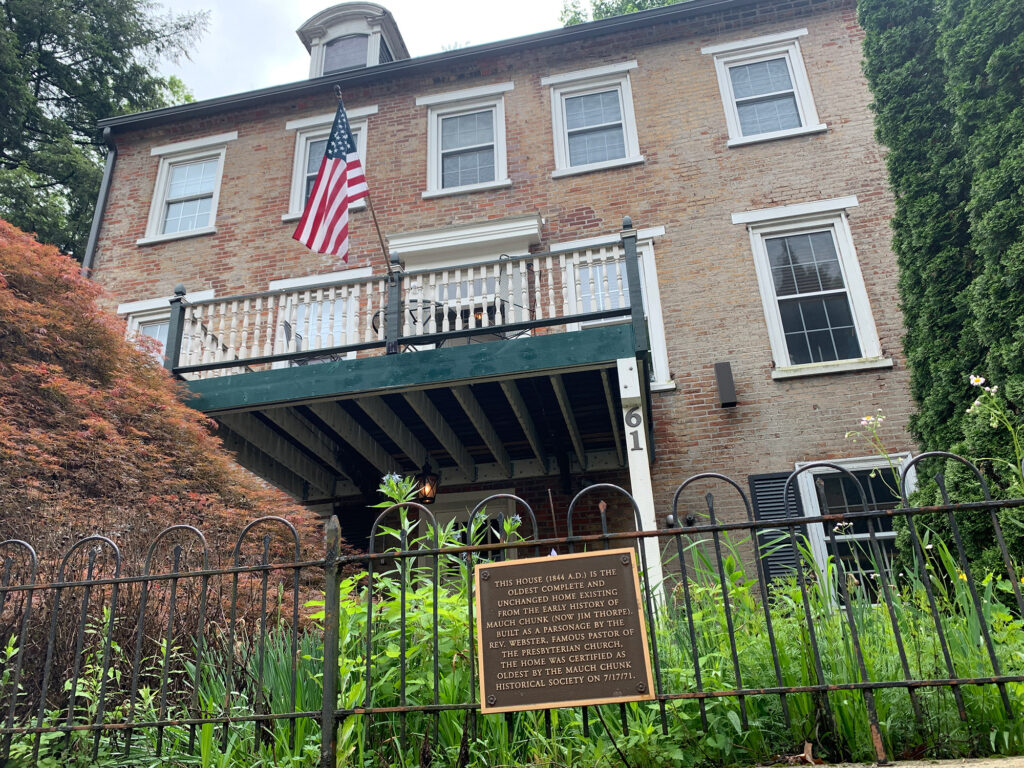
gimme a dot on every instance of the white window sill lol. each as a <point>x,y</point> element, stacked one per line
<point>358,205</point>
<point>591,167</point>
<point>762,137</point>
<point>837,366</point>
<point>176,236</point>
<point>663,386</point>
<point>467,188</point>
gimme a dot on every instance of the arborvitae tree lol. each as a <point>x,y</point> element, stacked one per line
<point>930,237</point>
<point>948,85</point>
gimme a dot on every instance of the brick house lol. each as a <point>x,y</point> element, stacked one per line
<point>505,352</point>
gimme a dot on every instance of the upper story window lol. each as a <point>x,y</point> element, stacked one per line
<point>351,35</point>
<point>187,188</point>
<point>592,118</point>
<point>816,306</point>
<point>310,144</point>
<point>764,88</point>
<point>466,140</point>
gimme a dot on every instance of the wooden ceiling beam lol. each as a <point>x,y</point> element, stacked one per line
<point>420,402</point>
<point>394,428</point>
<point>278,448</point>
<point>570,418</point>
<point>522,412</point>
<point>261,465</point>
<point>613,414</point>
<point>349,430</point>
<point>312,438</point>
<point>483,425</point>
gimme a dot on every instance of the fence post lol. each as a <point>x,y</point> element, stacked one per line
<point>175,328</point>
<point>332,609</point>
<point>393,313</point>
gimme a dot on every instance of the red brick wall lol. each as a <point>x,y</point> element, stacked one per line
<point>690,183</point>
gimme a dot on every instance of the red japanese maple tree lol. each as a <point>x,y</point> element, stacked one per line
<point>96,437</point>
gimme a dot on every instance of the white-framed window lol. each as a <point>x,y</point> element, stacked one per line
<point>311,135</point>
<point>151,318</point>
<point>864,563</point>
<point>764,88</point>
<point>466,140</point>
<point>313,319</point>
<point>815,304</point>
<point>187,188</point>
<point>592,119</point>
<point>602,284</point>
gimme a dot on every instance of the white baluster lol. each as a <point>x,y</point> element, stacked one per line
<point>446,302</point>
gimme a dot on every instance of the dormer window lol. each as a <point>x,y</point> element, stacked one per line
<point>351,36</point>
<point>346,52</point>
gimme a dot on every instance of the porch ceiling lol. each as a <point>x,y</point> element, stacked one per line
<point>544,405</point>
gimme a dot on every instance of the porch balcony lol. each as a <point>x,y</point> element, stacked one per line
<point>523,366</point>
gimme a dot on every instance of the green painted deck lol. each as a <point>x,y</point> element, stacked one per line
<point>471,363</point>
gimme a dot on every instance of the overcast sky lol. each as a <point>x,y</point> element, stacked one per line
<point>252,43</point>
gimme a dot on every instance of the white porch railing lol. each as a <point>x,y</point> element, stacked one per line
<point>261,326</point>
<point>507,298</point>
<point>535,290</point>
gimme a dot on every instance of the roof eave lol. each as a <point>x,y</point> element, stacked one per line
<point>402,67</point>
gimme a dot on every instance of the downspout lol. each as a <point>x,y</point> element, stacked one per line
<point>101,203</point>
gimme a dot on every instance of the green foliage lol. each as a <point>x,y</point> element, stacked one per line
<point>839,731</point>
<point>64,65</point>
<point>948,85</point>
<point>573,11</point>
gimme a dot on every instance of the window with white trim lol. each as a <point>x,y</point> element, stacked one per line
<point>592,119</point>
<point>812,290</point>
<point>187,188</point>
<point>764,87</point>
<point>466,140</point>
<point>311,135</point>
<point>151,318</point>
<point>599,283</point>
<point>865,562</point>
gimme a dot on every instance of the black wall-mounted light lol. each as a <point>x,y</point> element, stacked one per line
<point>427,482</point>
<point>726,385</point>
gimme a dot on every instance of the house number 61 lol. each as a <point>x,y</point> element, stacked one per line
<point>633,422</point>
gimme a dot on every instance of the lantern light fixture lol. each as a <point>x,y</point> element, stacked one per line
<point>427,483</point>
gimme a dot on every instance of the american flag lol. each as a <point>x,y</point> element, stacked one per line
<point>339,183</point>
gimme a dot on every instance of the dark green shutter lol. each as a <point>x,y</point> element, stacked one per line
<point>766,493</point>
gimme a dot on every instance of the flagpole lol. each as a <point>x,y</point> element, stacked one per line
<point>369,206</point>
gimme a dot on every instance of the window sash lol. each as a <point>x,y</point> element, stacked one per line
<point>467,150</point>
<point>863,329</point>
<point>592,128</point>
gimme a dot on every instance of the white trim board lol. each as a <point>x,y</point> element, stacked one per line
<point>163,302</point>
<point>191,144</point>
<point>795,211</point>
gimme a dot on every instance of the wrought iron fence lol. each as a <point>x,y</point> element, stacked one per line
<point>374,652</point>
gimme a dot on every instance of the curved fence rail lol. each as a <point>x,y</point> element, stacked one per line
<point>883,630</point>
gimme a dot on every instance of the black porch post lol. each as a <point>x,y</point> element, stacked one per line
<point>393,313</point>
<point>175,328</point>
<point>636,298</point>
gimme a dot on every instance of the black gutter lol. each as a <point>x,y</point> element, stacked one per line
<point>382,72</point>
<point>101,202</point>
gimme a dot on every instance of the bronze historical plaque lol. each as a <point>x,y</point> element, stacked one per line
<point>561,631</point>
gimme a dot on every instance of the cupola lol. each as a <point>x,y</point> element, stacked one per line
<point>349,36</point>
